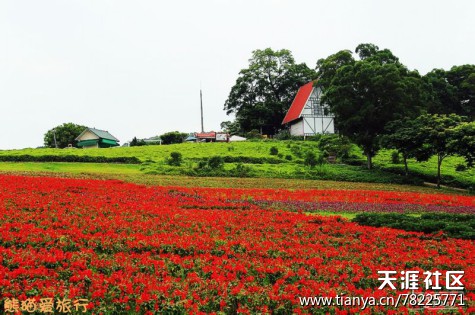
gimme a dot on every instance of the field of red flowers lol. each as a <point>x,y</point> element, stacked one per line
<point>174,250</point>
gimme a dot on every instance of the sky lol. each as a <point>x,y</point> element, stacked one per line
<point>135,68</point>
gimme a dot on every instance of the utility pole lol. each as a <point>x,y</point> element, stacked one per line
<point>54,136</point>
<point>201,101</point>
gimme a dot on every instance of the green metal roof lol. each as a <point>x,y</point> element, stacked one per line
<point>102,134</point>
<point>109,142</point>
<point>87,143</point>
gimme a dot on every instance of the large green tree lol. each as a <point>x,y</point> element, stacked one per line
<point>264,91</point>
<point>366,94</point>
<point>452,91</point>
<point>65,135</point>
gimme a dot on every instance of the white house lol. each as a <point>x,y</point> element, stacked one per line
<point>307,116</point>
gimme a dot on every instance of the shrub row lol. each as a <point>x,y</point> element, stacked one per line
<point>69,158</point>
<point>251,160</point>
<point>453,225</point>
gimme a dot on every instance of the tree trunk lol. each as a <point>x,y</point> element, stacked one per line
<point>406,170</point>
<point>369,160</point>
<point>439,162</point>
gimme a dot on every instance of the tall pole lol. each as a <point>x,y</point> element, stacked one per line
<point>54,135</point>
<point>201,101</point>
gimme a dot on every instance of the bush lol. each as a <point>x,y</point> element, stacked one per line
<point>240,171</point>
<point>173,137</point>
<point>283,135</point>
<point>253,134</point>
<point>274,151</point>
<point>395,158</point>
<point>251,160</point>
<point>175,159</point>
<point>311,159</point>
<point>297,151</point>
<point>288,157</point>
<point>454,225</point>
<point>337,145</point>
<point>460,168</point>
<point>215,162</point>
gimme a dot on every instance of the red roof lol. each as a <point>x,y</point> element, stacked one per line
<point>299,103</point>
<point>202,135</point>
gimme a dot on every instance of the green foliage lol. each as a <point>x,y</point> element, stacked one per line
<point>395,158</point>
<point>366,94</point>
<point>251,160</point>
<point>136,142</point>
<point>462,141</point>
<point>405,136</point>
<point>216,162</point>
<point>310,159</point>
<point>438,137</point>
<point>273,151</point>
<point>253,134</point>
<point>65,134</point>
<point>231,127</point>
<point>460,167</point>
<point>283,134</point>
<point>337,145</point>
<point>453,91</point>
<point>253,155</point>
<point>173,137</point>
<point>264,91</point>
<point>69,158</point>
<point>288,157</point>
<point>454,225</point>
<point>175,159</point>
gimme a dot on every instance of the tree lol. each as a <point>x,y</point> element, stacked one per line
<point>404,136</point>
<point>264,91</point>
<point>65,135</point>
<point>136,142</point>
<point>462,141</point>
<point>366,94</point>
<point>440,136</point>
<point>232,128</point>
<point>453,91</point>
<point>173,137</point>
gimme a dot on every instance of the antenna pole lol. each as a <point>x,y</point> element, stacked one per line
<point>201,101</point>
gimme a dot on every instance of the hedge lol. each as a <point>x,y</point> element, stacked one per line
<point>69,158</point>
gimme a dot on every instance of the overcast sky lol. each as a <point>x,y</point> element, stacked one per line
<point>135,67</point>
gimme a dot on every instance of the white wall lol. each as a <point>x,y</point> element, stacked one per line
<point>296,128</point>
<point>88,136</point>
<point>318,125</point>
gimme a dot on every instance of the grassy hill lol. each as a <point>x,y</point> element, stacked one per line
<point>242,159</point>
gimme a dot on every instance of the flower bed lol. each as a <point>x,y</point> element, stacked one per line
<point>186,250</point>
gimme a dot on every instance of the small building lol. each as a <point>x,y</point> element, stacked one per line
<point>95,138</point>
<point>307,116</point>
<point>211,136</point>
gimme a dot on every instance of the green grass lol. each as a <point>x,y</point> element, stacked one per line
<point>428,170</point>
<point>263,164</point>
<point>74,168</point>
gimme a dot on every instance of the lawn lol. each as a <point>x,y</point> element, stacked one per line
<point>245,159</point>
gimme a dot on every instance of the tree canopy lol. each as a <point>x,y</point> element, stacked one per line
<point>440,137</point>
<point>264,91</point>
<point>366,94</point>
<point>65,135</point>
<point>452,91</point>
